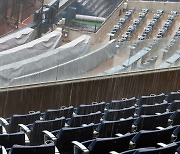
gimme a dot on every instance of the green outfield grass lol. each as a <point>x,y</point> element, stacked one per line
<point>97,24</point>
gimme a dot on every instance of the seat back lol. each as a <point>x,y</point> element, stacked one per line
<point>53,114</point>
<point>40,149</point>
<point>68,134</point>
<point>176,134</point>
<point>152,109</point>
<point>37,136</point>
<point>120,104</point>
<point>78,120</point>
<point>173,96</point>
<point>175,118</point>
<point>150,100</point>
<point>112,115</point>
<point>22,119</point>
<point>8,140</point>
<point>105,145</point>
<point>175,105</point>
<point>111,128</point>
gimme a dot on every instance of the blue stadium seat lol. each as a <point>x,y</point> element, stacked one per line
<point>111,128</point>
<point>105,145</point>
<point>175,105</point>
<point>150,138</point>
<point>152,109</point>
<point>78,120</point>
<point>40,149</point>
<point>150,122</point>
<point>174,118</point>
<point>87,109</point>
<point>151,100</point>
<point>173,96</point>
<point>35,130</point>
<point>51,114</point>
<point>65,136</point>
<point>112,115</point>
<point>176,135</point>
<point>12,125</point>
<point>120,104</point>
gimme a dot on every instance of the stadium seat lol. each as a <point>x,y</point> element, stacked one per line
<point>173,96</point>
<point>8,140</point>
<point>174,118</point>
<point>2,150</point>
<point>178,151</point>
<point>152,109</point>
<point>176,135</point>
<point>87,109</point>
<point>175,105</point>
<point>65,136</point>
<point>78,120</point>
<point>35,130</point>
<point>111,128</point>
<point>120,104</point>
<point>150,122</point>
<point>112,115</point>
<point>51,114</point>
<point>151,100</point>
<point>40,149</point>
<point>150,138</point>
<point>12,125</point>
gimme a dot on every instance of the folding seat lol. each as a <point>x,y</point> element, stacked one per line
<point>12,125</point>
<point>35,130</point>
<point>51,114</point>
<point>175,105</point>
<point>8,140</point>
<point>165,149</point>
<point>112,115</point>
<point>151,138</point>
<point>173,96</point>
<point>178,151</point>
<point>87,109</point>
<point>40,149</point>
<point>120,104</point>
<point>150,122</point>
<point>152,99</point>
<point>111,128</point>
<point>104,145</point>
<point>78,120</point>
<point>174,118</point>
<point>176,134</point>
<point>65,136</point>
<point>152,109</point>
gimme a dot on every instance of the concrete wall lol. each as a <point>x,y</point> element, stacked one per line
<point>41,97</point>
<point>166,6</point>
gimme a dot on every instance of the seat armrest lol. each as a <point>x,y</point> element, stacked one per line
<point>113,152</point>
<point>25,129</point>
<point>4,121</point>
<point>50,135</point>
<point>162,144</point>
<point>3,150</point>
<point>81,147</point>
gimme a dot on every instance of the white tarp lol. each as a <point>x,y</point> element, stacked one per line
<point>31,49</point>
<point>65,53</point>
<point>68,70</point>
<point>17,38</point>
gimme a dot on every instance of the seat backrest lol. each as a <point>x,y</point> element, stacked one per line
<point>112,115</point>
<point>150,100</point>
<point>51,114</point>
<point>8,140</point>
<point>152,109</point>
<point>175,118</point>
<point>151,138</point>
<point>78,120</point>
<point>173,96</point>
<point>176,135</point>
<point>37,136</point>
<point>120,104</point>
<point>175,105</point>
<point>40,149</point>
<point>87,109</point>
<point>22,119</point>
<point>105,145</point>
<point>68,134</point>
<point>150,122</point>
<point>111,128</point>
